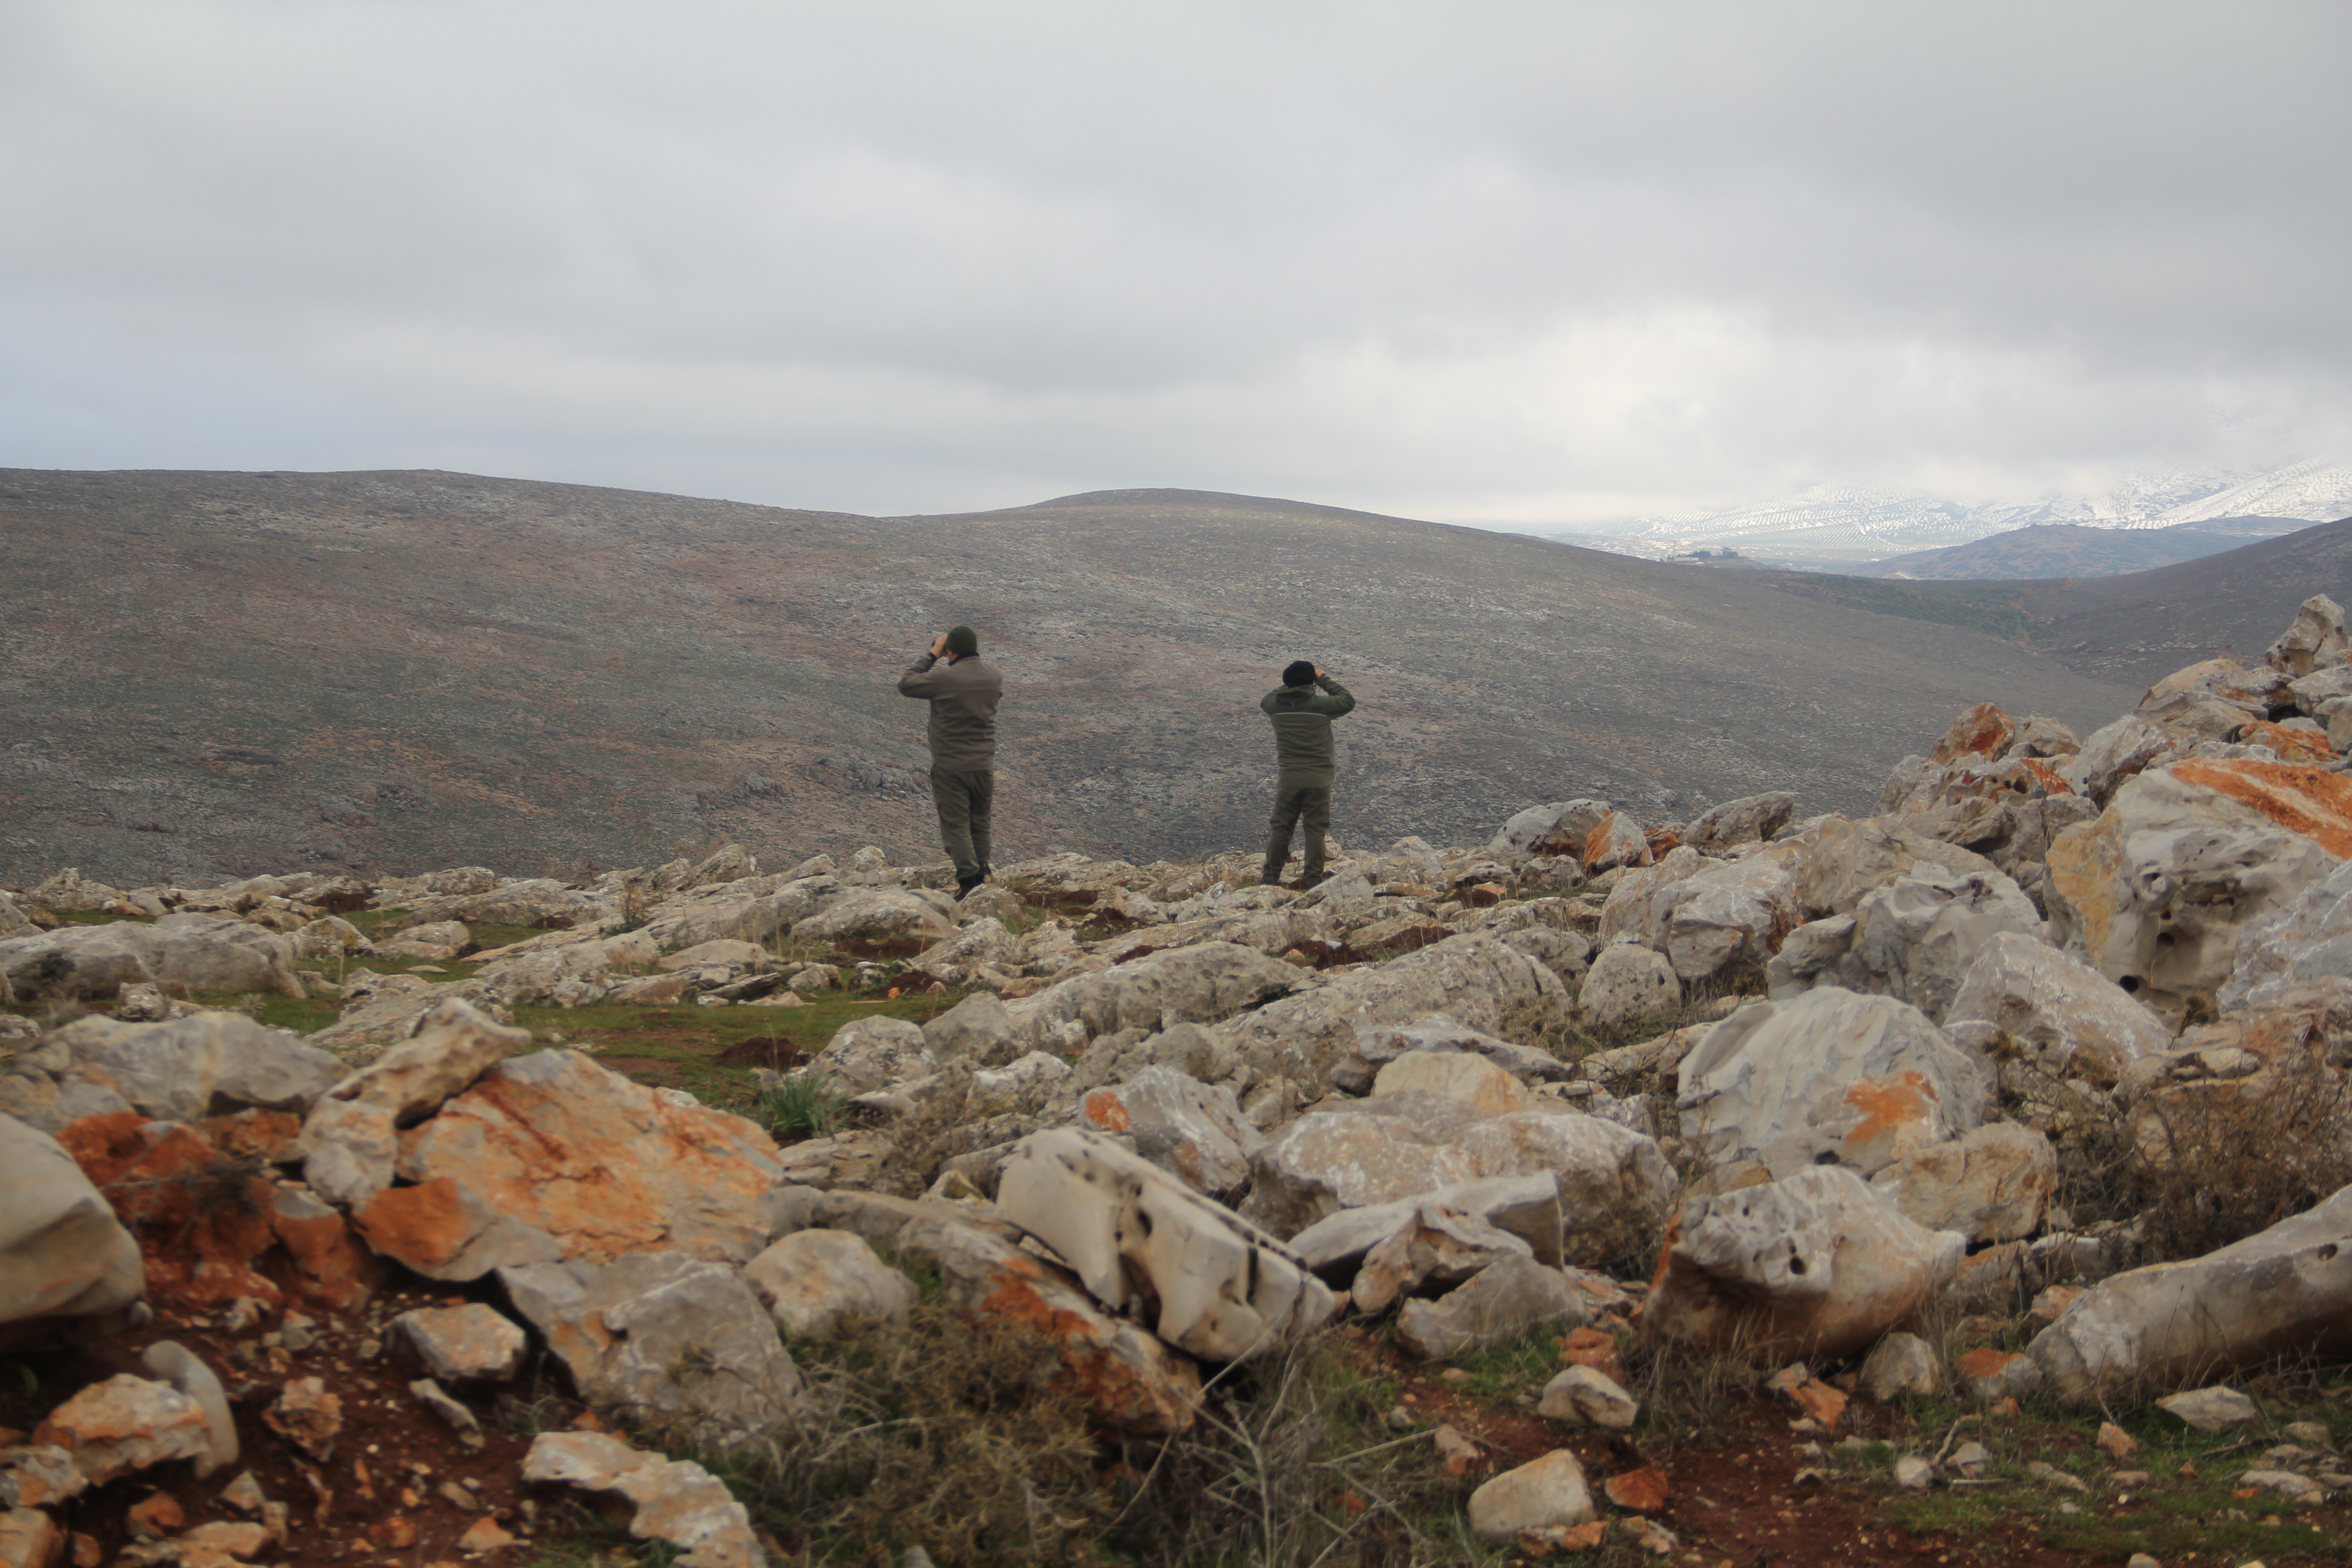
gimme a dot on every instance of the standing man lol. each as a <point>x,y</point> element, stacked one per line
<point>964,695</point>
<point>1302,738</point>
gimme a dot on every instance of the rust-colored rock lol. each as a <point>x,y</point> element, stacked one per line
<point>309,1413</point>
<point>551,1156</point>
<point>1595,1348</point>
<point>158,1515</point>
<point>1980,732</point>
<point>1644,1490</point>
<point>2293,745</point>
<point>126,1424</point>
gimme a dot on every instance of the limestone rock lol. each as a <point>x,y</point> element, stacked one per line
<point>1527,1207</point>
<point>1202,984</point>
<point>2299,942</point>
<point>1503,1302</point>
<point>1193,1130</point>
<point>1616,842</point>
<point>2075,1022</point>
<point>1588,1398</point>
<point>875,914</point>
<point>1748,820</point>
<point>550,1155</point>
<point>1815,1265</point>
<point>453,1045</point>
<point>1916,938</point>
<point>1559,828</point>
<point>1991,1184</point>
<point>181,954</point>
<point>203,1064</point>
<point>2288,1290</point>
<point>1538,1495</point>
<point>814,1278</point>
<point>1615,1184</point>
<point>2314,641</point>
<point>976,1027</point>
<point>1841,862</point>
<point>659,1336</point>
<point>1473,1081</point>
<point>1224,1289</point>
<point>382,1010</point>
<point>2215,1409</point>
<point>351,1150</point>
<point>126,1424</point>
<point>869,1054</point>
<point>1901,1364</point>
<point>472,1343</point>
<point>2155,893</point>
<point>1627,982</point>
<point>1123,1374</point>
<point>674,1500</point>
<point>1436,1243</point>
<point>33,1475</point>
<point>1477,980</point>
<point>178,1367</point>
<point>1377,1045</point>
<point>1861,1079</point>
<point>63,1254</point>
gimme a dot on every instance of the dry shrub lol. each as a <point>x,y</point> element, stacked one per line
<point>1291,1463</point>
<point>938,1432</point>
<point>2217,1162</point>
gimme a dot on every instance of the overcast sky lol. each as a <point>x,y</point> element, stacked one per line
<point>1516,263</point>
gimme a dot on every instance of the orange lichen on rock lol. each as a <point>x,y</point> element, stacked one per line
<point>1889,1105</point>
<point>1980,732</point>
<point>2293,745</point>
<point>1107,1111</point>
<point>2304,800</point>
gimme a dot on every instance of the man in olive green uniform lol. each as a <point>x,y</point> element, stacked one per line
<point>1302,738</point>
<point>963,694</point>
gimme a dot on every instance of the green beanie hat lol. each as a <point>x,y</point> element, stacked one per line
<point>963,642</point>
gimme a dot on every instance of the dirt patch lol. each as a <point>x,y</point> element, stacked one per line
<point>776,1055</point>
<point>391,1460</point>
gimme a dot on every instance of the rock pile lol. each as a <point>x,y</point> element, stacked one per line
<point>1755,1083</point>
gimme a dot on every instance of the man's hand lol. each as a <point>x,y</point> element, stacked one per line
<point>939,646</point>
<point>1319,674</point>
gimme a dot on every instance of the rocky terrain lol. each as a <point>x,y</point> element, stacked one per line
<point>1968,1178</point>
<point>215,675</point>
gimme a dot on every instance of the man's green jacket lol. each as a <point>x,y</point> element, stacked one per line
<point>963,698</point>
<point>1302,731</point>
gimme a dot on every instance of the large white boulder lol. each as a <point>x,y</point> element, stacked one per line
<point>1476,979</point>
<point>1814,1266</point>
<point>1829,1075</point>
<point>1993,1185</point>
<point>180,953</point>
<point>1201,983</point>
<point>1737,821</point>
<point>661,1336</point>
<point>1709,915</point>
<point>1193,1130</point>
<point>2303,941</point>
<point>2316,640</point>
<point>1628,982</point>
<point>877,914</point>
<point>869,1054</point>
<point>1140,1240</point>
<point>815,1280</point>
<point>2073,1021</point>
<point>1559,828</point>
<point>2156,894</point>
<point>62,1252</point>
<point>2284,1291</point>
<point>1915,939</point>
<point>205,1064</point>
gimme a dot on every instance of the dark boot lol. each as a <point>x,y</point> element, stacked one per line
<point>964,885</point>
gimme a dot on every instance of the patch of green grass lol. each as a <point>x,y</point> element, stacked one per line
<point>1504,1372</point>
<point>803,1109</point>
<point>97,918</point>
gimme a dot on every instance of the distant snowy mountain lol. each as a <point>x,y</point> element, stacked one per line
<point>1826,528</point>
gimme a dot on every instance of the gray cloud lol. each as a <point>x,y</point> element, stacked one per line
<point>1503,262</point>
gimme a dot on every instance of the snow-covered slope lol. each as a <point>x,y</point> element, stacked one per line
<point>1829,527</point>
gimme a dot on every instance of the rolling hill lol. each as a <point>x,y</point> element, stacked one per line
<point>204,674</point>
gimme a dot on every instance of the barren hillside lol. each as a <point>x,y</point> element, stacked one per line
<point>213,673</point>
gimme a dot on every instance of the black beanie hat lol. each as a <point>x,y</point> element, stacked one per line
<point>1298,672</point>
<point>963,642</point>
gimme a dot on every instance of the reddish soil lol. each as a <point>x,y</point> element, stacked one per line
<point>392,1460</point>
<point>1737,1495</point>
